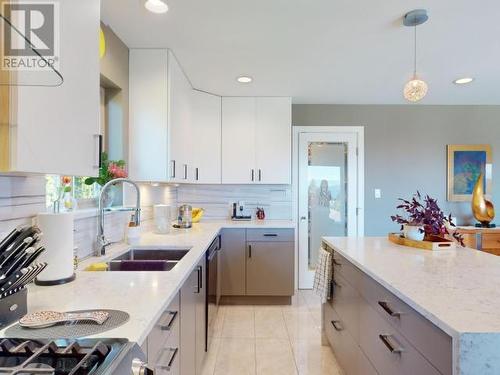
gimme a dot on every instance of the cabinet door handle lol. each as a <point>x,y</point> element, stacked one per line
<point>388,310</point>
<point>199,285</point>
<point>260,175</point>
<point>249,251</point>
<point>390,343</point>
<point>173,355</point>
<point>170,323</point>
<point>98,158</point>
<point>197,173</point>
<point>270,235</point>
<point>253,174</point>
<point>336,325</point>
<point>185,171</point>
<point>172,173</point>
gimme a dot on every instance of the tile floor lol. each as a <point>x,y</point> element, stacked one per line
<point>271,340</point>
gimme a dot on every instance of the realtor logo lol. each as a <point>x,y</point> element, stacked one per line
<point>30,25</point>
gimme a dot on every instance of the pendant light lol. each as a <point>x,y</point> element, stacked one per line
<point>415,89</point>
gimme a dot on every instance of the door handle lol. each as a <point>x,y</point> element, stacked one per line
<point>388,342</point>
<point>170,323</point>
<point>197,174</point>
<point>336,325</point>
<point>185,171</point>
<point>98,159</point>
<point>172,174</point>
<point>198,280</point>
<point>253,174</point>
<point>388,310</point>
<point>249,251</point>
<point>260,175</point>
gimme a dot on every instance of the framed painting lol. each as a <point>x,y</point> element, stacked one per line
<point>465,164</point>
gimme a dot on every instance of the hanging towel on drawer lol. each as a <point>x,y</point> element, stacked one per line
<point>323,274</point>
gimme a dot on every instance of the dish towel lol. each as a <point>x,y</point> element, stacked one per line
<point>323,275</point>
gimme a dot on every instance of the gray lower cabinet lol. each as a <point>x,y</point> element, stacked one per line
<point>269,269</point>
<point>192,323</point>
<point>257,262</point>
<point>233,262</point>
<point>162,346</point>
<point>372,331</point>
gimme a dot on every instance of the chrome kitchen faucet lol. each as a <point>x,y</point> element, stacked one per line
<point>101,242</point>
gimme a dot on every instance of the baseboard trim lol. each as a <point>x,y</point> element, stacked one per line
<point>256,300</point>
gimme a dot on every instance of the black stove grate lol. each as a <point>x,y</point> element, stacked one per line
<point>58,357</point>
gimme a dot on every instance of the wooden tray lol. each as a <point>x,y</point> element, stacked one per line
<point>433,243</point>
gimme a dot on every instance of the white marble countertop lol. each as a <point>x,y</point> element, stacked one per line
<point>457,290</point>
<point>144,295</point>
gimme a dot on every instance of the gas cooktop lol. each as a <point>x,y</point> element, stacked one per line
<point>59,357</point>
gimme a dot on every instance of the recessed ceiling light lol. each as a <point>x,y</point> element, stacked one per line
<point>244,79</point>
<point>463,81</point>
<point>156,6</point>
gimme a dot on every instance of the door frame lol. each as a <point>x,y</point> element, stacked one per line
<point>360,196</point>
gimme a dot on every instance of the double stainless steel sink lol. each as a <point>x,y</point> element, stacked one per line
<point>147,260</point>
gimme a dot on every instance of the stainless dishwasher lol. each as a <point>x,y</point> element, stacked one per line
<point>213,289</point>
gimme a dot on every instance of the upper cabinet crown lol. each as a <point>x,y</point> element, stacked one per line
<point>56,129</point>
<point>256,140</point>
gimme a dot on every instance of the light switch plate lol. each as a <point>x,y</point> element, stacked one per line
<point>378,193</point>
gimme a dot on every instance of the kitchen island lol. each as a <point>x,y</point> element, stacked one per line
<point>434,312</point>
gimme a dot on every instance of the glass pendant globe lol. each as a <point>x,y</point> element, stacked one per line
<point>415,90</point>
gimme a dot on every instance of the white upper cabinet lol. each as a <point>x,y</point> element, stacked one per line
<point>148,128</point>
<point>256,140</point>
<point>273,141</point>
<point>238,140</point>
<point>180,109</point>
<point>55,129</point>
<point>206,130</point>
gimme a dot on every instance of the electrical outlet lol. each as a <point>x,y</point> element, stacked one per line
<point>378,193</point>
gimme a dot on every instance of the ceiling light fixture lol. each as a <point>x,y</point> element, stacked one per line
<point>244,79</point>
<point>463,81</point>
<point>415,89</point>
<point>156,6</point>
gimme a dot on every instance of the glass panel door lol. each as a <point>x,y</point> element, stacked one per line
<point>327,194</point>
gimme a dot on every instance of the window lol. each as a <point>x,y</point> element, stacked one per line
<point>85,195</point>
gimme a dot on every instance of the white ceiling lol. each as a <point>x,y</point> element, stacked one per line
<point>323,51</point>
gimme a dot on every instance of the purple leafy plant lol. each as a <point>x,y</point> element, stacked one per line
<point>427,214</point>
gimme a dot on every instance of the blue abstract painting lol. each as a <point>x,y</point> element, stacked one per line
<point>467,165</point>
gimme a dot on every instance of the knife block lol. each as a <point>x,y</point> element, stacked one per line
<point>13,308</point>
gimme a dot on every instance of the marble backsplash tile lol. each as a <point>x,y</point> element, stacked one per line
<point>217,199</point>
<point>22,197</point>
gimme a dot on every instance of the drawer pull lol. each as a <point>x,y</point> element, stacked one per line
<point>170,323</point>
<point>173,355</point>
<point>336,262</point>
<point>270,235</point>
<point>389,343</point>
<point>336,325</point>
<point>388,310</point>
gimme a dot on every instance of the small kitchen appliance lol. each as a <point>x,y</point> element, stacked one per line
<point>185,217</point>
<point>239,212</point>
<point>213,282</point>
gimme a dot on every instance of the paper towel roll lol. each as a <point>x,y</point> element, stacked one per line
<point>162,216</point>
<point>57,230</point>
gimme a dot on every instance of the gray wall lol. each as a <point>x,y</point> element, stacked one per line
<point>405,150</point>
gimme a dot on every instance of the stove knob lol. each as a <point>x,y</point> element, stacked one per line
<point>140,368</point>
